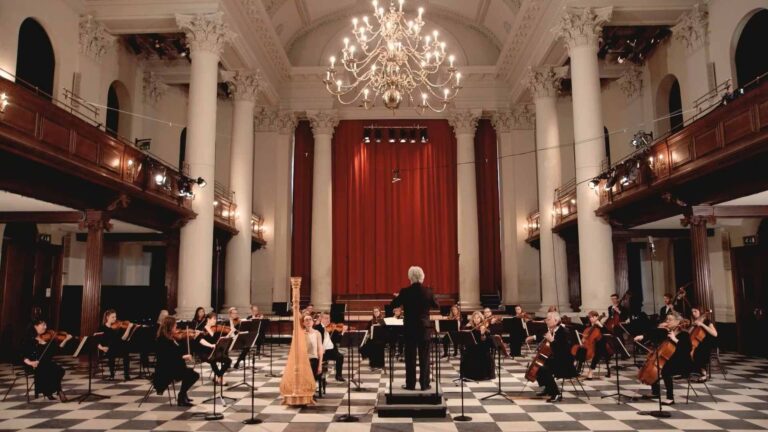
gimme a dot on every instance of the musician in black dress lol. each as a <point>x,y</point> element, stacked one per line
<point>38,358</point>
<point>679,363</point>
<point>477,360</point>
<point>171,363</point>
<point>704,349</point>
<point>454,315</point>
<point>114,342</point>
<point>399,314</point>
<point>561,362</point>
<point>416,301</point>
<point>207,339</point>
<point>374,350</point>
<point>330,346</point>
<point>199,320</point>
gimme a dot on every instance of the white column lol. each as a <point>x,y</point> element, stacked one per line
<point>286,126</point>
<point>464,124</point>
<point>580,29</point>
<point>518,197</point>
<point>206,36</point>
<point>243,87</point>
<point>323,123</point>
<point>544,84</point>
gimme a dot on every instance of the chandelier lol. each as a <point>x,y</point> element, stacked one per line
<point>395,63</point>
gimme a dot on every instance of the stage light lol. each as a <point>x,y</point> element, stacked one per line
<point>143,144</point>
<point>160,179</point>
<point>611,180</point>
<point>392,136</point>
<point>3,101</point>
<point>403,135</point>
<point>377,135</point>
<point>423,134</point>
<point>396,175</point>
<point>641,139</point>
<point>412,134</point>
<point>201,182</point>
<point>366,135</point>
<point>594,183</point>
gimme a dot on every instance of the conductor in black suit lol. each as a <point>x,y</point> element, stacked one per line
<point>416,300</point>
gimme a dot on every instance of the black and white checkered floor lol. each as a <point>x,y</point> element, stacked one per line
<point>741,403</point>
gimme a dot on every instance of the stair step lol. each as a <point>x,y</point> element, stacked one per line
<point>412,410</point>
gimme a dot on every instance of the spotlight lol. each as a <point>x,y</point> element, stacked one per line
<point>160,178</point>
<point>185,188</point>
<point>403,135</point>
<point>412,134</point>
<point>611,180</point>
<point>143,144</point>
<point>201,182</point>
<point>594,183</point>
<point>377,135</point>
<point>392,136</point>
<point>366,135</point>
<point>396,175</point>
<point>624,180</point>
<point>423,134</point>
<point>641,139</point>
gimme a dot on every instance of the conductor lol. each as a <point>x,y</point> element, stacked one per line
<point>416,300</point>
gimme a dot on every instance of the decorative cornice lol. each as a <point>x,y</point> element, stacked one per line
<point>95,41</point>
<point>530,14</point>
<point>503,121</point>
<point>265,120</point>
<point>582,27</point>
<point>323,122</point>
<point>154,88</point>
<point>631,82</point>
<point>463,121</point>
<point>205,32</point>
<point>520,117</point>
<point>267,37</point>
<point>286,122</point>
<point>692,28</point>
<point>244,85</point>
<point>272,6</point>
<point>544,81</point>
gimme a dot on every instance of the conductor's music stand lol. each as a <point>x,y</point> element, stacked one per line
<point>613,345</point>
<point>89,345</point>
<point>352,339</point>
<point>466,339</point>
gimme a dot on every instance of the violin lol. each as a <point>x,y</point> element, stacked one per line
<point>180,335</point>
<point>122,325</point>
<point>222,329</point>
<point>334,327</point>
<point>60,337</point>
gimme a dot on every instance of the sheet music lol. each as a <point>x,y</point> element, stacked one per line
<point>392,321</point>
<point>82,344</point>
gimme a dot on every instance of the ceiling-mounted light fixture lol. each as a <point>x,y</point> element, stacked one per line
<point>366,135</point>
<point>396,175</point>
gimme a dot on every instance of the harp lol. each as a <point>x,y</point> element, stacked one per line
<point>297,386</point>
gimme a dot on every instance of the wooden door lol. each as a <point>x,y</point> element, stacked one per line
<point>750,283</point>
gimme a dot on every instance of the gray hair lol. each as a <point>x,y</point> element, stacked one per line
<point>416,274</point>
<point>554,315</point>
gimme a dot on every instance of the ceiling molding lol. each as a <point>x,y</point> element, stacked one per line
<point>303,10</point>
<point>482,11</point>
<point>262,27</point>
<point>523,27</point>
<point>272,6</point>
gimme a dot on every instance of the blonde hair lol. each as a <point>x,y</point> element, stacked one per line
<point>476,314</point>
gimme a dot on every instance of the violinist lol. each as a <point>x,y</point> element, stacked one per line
<point>374,350</point>
<point>199,320</point>
<point>679,363</point>
<point>708,336</point>
<point>114,342</point>
<point>560,363</point>
<point>667,309</point>
<point>599,351</point>
<point>38,357</point>
<point>399,314</point>
<point>255,314</point>
<point>477,360</point>
<point>331,350</point>
<point>309,310</point>
<point>211,334</point>
<point>489,318</point>
<point>171,366</point>
<point>455,314</point>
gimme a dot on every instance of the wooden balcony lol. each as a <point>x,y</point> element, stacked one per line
<point>533,226</point>
<point>718,157</point>
<point>564,207</point>
<point>50,153</point>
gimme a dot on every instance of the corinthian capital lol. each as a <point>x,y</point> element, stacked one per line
<point>205,32</point>
<point>154,88</point>
<point>631,82</point>
<point>244,85</point>
<point>95,41</point>
<point>286,122</point>
<point>518,118</point>
<point>544,81</point>
<point>463,121</point>
<point>265,120</point>
<point>323,122</point>
<point>691,28</point>
<point>582,27</point>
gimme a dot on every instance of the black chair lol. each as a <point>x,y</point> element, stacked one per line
<point>696,378</point>
<point>168,390</point>
<point>571,377</point>
<point>21,372</point>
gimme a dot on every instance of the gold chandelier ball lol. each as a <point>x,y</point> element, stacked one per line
<point>391,98</point>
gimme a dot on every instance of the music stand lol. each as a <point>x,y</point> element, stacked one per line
<point>246,339</point>
<point>352,339</point>
<point>500,348</point>
<point>613,344</point>
<point>253,420</point>
<point>271,342</point>
<point>220,350</point>
<point>466,339</point>
<point>89,345</point>
<point>385,335</point>
<point>448,327</point>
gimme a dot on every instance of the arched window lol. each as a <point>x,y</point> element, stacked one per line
<point>669,106</point>
<point>118,104</point>
<point>113,111</point>
<point>750,59</point>
<point>35,61</point>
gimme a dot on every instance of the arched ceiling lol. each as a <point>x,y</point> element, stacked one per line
<point>475,30</point>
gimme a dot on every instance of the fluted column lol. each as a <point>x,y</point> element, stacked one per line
<point>518,197</point>
<point>464,123</point>
<point>243,88</point>
<point>286,126</point>
<point>323,123</point>
<point>580,30</point>
<point>206,37</point>
<point>544,85</point>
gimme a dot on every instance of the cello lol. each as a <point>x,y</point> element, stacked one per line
<point>650,372</point>
<point>615,320</point>
<point>543,352</point>
<point>589,338</point>
<point>698,334</point>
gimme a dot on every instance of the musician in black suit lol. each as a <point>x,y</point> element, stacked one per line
<point>561,362</point>
<point>416,301</point>
<point>667,309</point>
<point>171,363</point>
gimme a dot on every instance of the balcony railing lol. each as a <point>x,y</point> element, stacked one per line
<point>224,207</point>
<point>533,225</point>
<point>257,230</point>
<point>564,206</point>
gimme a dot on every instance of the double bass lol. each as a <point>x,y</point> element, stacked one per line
<point>615,320</point>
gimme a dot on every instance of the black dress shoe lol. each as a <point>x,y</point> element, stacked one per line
<point>185,403</point>
<point>340,379</point>
<point>405,387</point>
<point>555,398</point>
<point>649,396</point>
<point>429,387</point>
<point>49,396</point>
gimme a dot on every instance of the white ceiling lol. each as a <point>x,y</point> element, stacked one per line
<point>10,202</point>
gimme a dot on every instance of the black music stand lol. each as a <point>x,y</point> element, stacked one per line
<point>89,345</point>
<point>220,350</point>
<point>253,420</point>
<point>385,334</point>
<point>613,344</point>
<point>515,328</point>
<point>352,340</point>
<point>271,342</point>
<point>466,339</point>
<point>246,339</point>
<point>448,327</point>
<point>500,348</point>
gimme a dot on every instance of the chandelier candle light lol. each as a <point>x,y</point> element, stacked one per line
<point>394,62</point>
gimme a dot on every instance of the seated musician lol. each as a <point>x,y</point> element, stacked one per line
<point>517,334</point>
<point>234,318</point>
<point>477,360</point>
<point>148,342</point>
<point>398,313</point>
<point>560,363</point>
<point>600,351</point>
<point>48,374</point>
<point>331,350</point>
<point>667,309</point>
<point>309,310</point>
<point>207,341</point>
<point>257,315</point>
<point>455,314</point>
<point>488,317</point>
<point>704,349</point>
<point>199,320</point>
<point>374,350</point>
<point>171,363</point>
<point>314,346</point>
<point>617,308</point>
<point>114,343</point>
<point>679,363</point>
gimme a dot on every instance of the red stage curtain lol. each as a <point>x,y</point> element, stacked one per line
<point>486,168</point>
<point>301,240</point>
<point>381,228</point>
